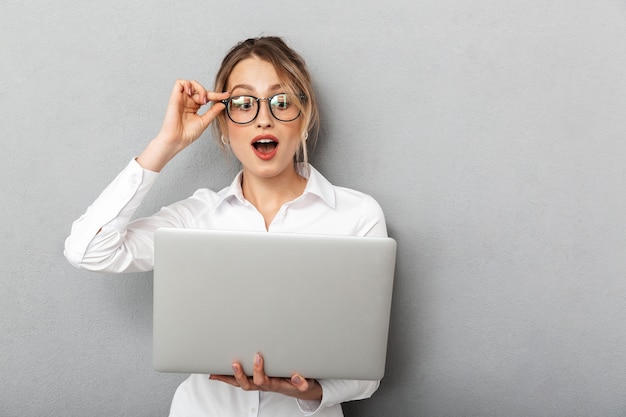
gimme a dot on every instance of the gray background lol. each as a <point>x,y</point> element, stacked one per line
<point>491,132</point>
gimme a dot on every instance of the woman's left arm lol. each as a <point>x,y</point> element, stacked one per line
<point>311,394</point>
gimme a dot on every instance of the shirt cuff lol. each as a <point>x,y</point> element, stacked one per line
<point>309,407</point>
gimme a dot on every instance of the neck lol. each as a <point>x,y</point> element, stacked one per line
<point>269,194</point>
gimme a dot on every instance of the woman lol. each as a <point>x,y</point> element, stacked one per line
<point>264,118</point>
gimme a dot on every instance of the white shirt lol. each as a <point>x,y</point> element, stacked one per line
<point>105,239</point>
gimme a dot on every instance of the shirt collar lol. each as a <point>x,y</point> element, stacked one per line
<point>316,185</point>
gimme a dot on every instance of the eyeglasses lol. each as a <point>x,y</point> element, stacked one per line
<point>244,109</point>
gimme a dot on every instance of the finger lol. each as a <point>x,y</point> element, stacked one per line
<point>179,100</point>
<point>183,86</point>
<point>201,95</point>
<point>258,376</point>
<point>192,89</point>
<point>216,97</point>
<point>198,92</point>
<point>225,378</point>
<point>215,109</point>
<point>178,93</point>
<point>242,380</point>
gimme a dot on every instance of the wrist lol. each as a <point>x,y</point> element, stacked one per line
<point>157,154</point>
<point>314,393</point>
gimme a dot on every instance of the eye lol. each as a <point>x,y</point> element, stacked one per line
<point>242,103</point>
<point>281,102</point>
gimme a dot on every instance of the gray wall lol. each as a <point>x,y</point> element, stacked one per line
<point>491,132</point>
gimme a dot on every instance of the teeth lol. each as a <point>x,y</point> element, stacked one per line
<point>265,141</point>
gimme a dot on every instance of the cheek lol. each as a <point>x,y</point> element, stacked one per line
<point>234,131</point>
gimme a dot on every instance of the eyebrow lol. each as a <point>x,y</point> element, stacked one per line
<point>275,87</point>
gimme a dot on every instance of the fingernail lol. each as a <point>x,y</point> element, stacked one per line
<point>257,359</point>
<point>235,368</point>
<point>296,380</point>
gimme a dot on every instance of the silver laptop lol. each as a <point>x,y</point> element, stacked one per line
<point>312,304</point>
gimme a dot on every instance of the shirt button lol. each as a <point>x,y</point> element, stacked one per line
<point>134,180</point>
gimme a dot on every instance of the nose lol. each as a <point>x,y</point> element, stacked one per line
<point>264,118</point>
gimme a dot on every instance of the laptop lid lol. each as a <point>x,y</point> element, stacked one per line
<point>312,304</point>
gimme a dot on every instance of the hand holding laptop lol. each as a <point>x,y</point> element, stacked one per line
<point>296,386</point>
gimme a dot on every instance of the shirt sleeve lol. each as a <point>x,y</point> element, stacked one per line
<point>102,239</point>
<point>373,220</point>
<point>337,391</point>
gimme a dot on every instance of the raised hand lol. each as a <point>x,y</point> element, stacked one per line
<point>182,124</point>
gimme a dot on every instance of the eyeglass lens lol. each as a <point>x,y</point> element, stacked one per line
<point>244,109</point>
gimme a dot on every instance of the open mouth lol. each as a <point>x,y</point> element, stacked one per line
<point>265,146</point>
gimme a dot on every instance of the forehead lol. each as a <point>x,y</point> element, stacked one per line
<point>255,75</point>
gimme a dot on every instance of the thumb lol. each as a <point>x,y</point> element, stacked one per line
<point>212,112</point>
<point>299,382</point>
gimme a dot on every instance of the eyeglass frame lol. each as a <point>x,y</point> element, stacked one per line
<point>225,102</point>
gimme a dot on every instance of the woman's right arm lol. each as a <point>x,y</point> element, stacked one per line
<point>104,239</point>
<point>101,240</point>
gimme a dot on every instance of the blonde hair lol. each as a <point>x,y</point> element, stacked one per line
<point>294,77</point>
